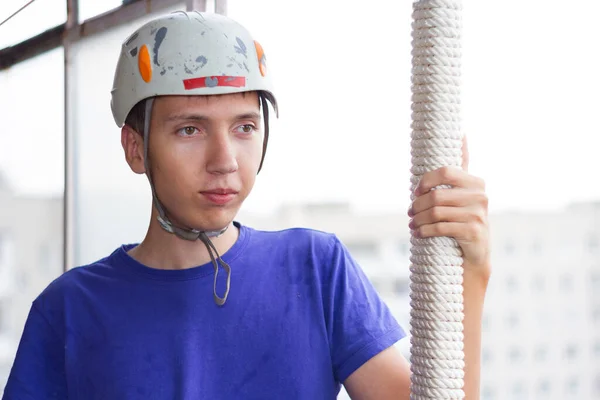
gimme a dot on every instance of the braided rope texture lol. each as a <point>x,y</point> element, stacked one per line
<point>436,273</point>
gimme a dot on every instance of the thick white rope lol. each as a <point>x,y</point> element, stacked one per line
<point>437,355</point>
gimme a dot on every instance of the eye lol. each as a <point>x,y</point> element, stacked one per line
<point>187,131</point>
<point>246,129</point>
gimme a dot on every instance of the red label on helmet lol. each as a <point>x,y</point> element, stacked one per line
<point>213,81</point>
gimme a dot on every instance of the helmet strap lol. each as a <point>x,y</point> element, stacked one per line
<point>265,110</point>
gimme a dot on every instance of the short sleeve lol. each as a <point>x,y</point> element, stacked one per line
<point>359,323</point>
<point>38,372</point>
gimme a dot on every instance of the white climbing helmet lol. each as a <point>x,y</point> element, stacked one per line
<point>188,53</point>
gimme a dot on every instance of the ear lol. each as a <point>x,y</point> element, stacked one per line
<point>133,146</point>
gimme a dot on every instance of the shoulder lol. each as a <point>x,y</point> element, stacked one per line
<point>71,284</point>
<point>318,243</point>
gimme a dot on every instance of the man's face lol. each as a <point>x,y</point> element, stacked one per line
<point>204,154</point>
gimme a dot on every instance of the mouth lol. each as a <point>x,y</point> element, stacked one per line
<point>219,196</point>
<point>223,191</point>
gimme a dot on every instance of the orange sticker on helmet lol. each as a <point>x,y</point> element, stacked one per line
<point>145,64</point>
<point>262,61</point>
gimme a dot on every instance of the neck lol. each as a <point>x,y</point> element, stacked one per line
<point>163,250</point>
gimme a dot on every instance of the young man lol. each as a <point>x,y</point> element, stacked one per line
<point>205,307</point>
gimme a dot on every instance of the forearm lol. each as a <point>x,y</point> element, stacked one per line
<point>475,285</point>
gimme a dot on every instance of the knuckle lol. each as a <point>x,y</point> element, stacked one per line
<point>436,196</point>
<point>436,229</point>
<point>483,199</point>
<point>480,217</point>
<point>446,172</point>
<point>474,231</point>
<point>436,214</point>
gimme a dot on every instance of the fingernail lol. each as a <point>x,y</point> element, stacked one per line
<point>410,211</point>
<point>415,233</point>
<point>411,224</point>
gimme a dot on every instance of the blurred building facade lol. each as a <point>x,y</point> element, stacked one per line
<point>541,335</point>
<point>30,257</point>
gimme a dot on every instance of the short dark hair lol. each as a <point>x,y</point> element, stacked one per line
<point>136,117</point>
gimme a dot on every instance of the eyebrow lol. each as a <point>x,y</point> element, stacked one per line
<point>200,117</point>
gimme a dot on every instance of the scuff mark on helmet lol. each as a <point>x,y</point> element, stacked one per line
<point>246,67</point>
<point>211,81</point>
<point>187,70</point>
<point>229,65</point>
<point>201,60</point>
<point>133,52</point>
<point>241,47</point>
<point>158,39</point>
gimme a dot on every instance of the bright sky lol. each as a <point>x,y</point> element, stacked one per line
<point>342,72</point>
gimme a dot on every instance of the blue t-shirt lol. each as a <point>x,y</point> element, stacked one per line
<point>301,316</point>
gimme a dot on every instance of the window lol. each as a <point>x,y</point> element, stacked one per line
<point>486,323</point>
<point>486,356</point>
<point>2,319</point>
<point>595,281</point>
<point>511,283</point>
<point>362,249</point>
<point>512,320</point>
<point>540,354</point>
<point>401,286</point>
<point>543,387</point>
<point>570,352</point>
<point>515,355</point>
<point>539,283</point>
<point>3,256</point>
<point>518,389</point>
<point>536,247</point>
<point>488,393</point>
<point>566,283</point>
<point>596,385</point>
<point>543,317</point>
<point>596,315</point>
<point>572,386</point>
<point>403,248</point>
<point>596,350</point>
<point>593,242</point>
<point>509,248</point>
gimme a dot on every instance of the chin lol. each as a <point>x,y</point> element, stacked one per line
<point>215,221</point>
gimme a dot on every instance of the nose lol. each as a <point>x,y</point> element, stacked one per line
<point>221,156</point>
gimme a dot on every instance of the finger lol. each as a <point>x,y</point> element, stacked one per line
<point>446,214</point>
<point>461,231</point>
<point>465,153</point>
<point>455,197</point>
<point>452,176</point>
